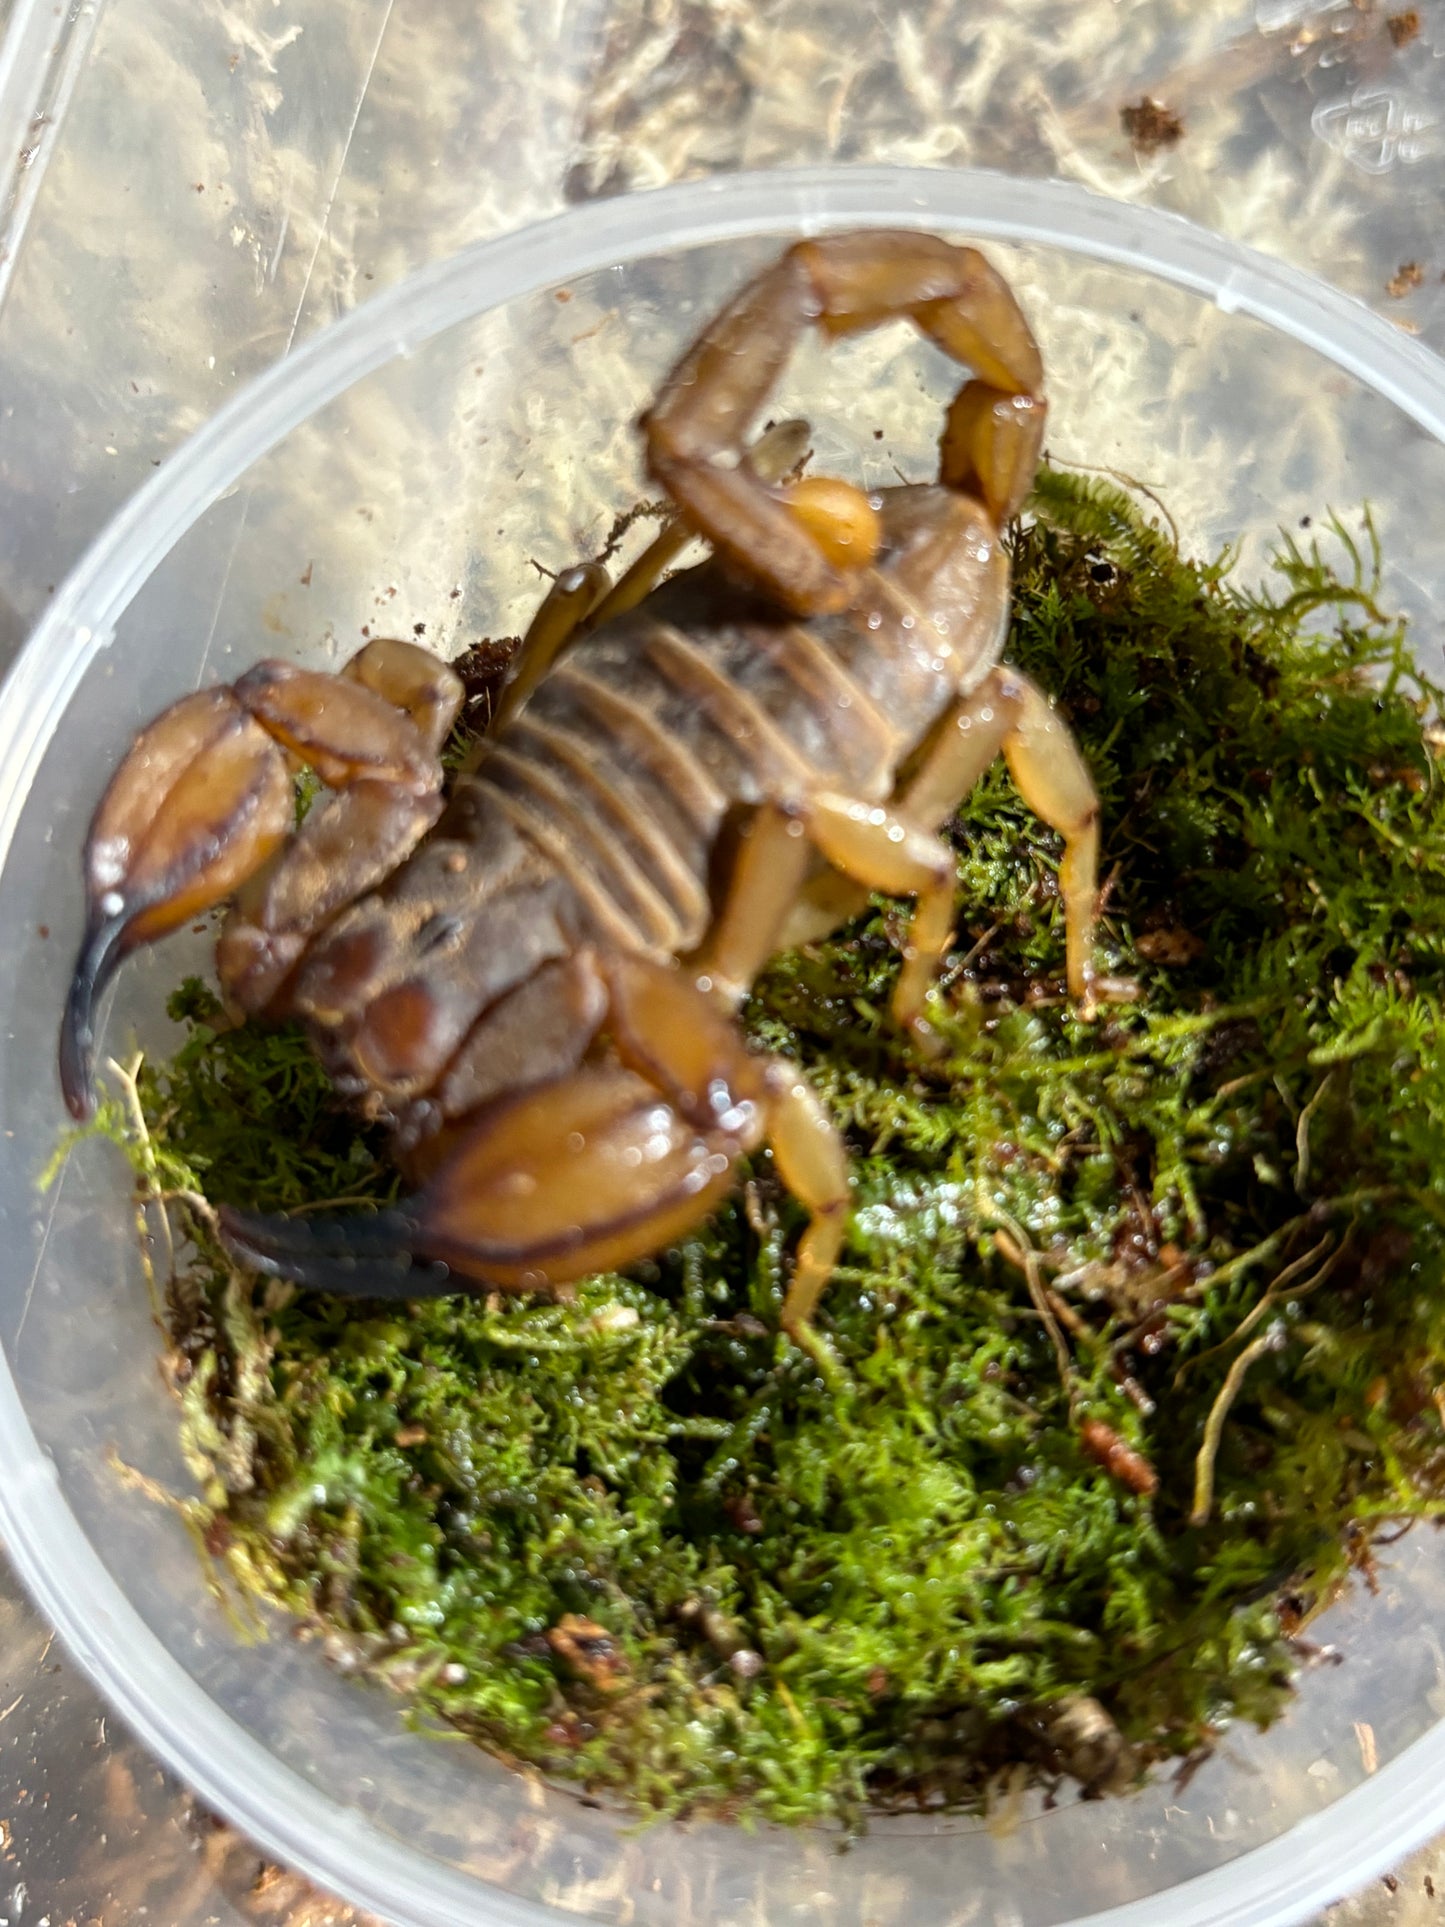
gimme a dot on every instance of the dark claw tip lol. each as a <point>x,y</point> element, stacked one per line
<point>99,955</point>
<point>358,1255</point>
<point>77,1062</point>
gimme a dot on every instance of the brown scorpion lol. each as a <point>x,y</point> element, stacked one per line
<point>533,978</point>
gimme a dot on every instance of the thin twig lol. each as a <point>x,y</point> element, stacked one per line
<point>1214,1427</point>
<point>194,1202</point>
<point>251,1355</point>
<point>955,971</point>
<point>1276,1294</point>
<point>126,1077</point>
<point>1015,1247</point>
<point>1128,480</point>
<point>1302,1134</point>
<point>1256,1255</point>
<point>1076,1326</point>
<point>362,1199</point>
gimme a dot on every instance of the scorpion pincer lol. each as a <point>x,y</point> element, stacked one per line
<point>532,978</point>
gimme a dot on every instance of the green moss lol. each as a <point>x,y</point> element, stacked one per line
<point>788,1599</point>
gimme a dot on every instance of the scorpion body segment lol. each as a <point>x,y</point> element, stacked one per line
<point>533,982</point>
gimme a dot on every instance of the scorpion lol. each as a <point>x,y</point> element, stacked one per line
<point>532,976</point>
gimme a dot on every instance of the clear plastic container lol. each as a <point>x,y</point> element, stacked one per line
<point>405,468</point>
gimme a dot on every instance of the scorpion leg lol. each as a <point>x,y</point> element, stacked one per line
<point>875,846</point>
<point>772,862</point>
<point>771,903</point>
<point>559,618</point>
<point>893,848</point>
<point>868,846</point>
<point>1007,713</point>
<point>813,1164</point>
<point>678,1038</point>
<point>205,799</point>
<point>845,282</point>
<point>641,577</point>
<point>1053,779</point>
<point>589,1170</point>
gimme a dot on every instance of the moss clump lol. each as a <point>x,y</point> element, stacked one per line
<point>1142,1321</point>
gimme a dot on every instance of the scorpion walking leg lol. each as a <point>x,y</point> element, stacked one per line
<point>1006,713</point>
<point>893,848</point>
<point>205,800</point>
<point>772,861</point>
<point>665,1029</point>
<point>870,846</point>
<point>560,615</point>
<point>813,1165</point>
<point>877,847</point>
<point>1054,781</point>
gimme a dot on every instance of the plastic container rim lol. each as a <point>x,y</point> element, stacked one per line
<point>1276,1885</point>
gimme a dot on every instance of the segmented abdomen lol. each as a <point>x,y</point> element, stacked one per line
<point>631,753</point>
<point>594,819</point>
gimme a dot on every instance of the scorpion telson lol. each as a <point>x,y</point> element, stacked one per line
<point>532,979</point>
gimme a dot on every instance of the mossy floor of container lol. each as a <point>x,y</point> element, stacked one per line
<point>1141,1322</point>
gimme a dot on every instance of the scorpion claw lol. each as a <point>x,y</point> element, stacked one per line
<point>201,800</point>
<point>351,1256</point>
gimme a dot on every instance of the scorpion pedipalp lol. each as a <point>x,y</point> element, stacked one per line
<point>349,1253</point>
<point>204,801</point>
<point>582,1174</point>
<point>591,1170</point>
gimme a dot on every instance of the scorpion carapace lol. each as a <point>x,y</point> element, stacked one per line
<point>533,979</point>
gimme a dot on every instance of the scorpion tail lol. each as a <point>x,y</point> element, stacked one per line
<point>351,1256</point>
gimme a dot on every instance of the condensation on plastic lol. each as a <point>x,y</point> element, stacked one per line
<point>405,467</point>
<point>221,178</point>
<point>232,174</point>
<point>43,48</point>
